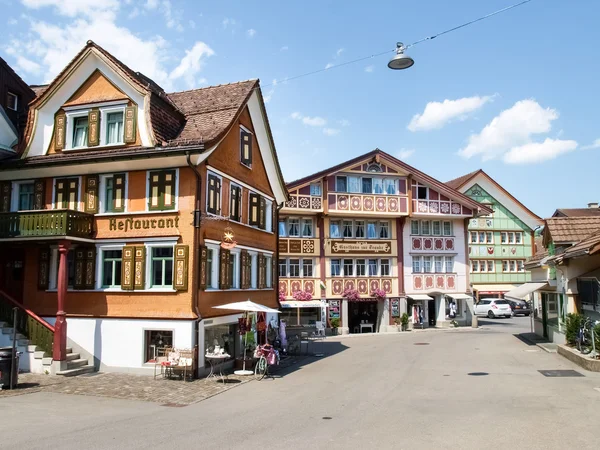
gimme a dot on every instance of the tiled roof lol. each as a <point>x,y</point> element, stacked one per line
<point>570,229</point>
<point>39,89</point>
<point>587,246</point>
<point>210,111</point>
<point>458,182</point>
<point>577,212</point>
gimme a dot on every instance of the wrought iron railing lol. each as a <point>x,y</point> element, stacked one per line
<point>34,328</point>
<point>43,223</point>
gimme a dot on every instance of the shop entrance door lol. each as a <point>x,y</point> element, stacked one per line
<point>431,312</point>
<point>362,316</point>
<point>12,269</point>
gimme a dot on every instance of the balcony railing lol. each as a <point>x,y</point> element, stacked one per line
<point>45,223</point>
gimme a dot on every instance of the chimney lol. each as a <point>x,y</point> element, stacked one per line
<point>593,205</point>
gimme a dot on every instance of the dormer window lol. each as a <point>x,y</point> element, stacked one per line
<point>12,101</point>
<point>80,132</point>
<point>114,128</point>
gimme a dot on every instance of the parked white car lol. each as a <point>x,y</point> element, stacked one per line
<point>493,307</point>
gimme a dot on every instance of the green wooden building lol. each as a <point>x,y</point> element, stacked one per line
<point>498,243</point>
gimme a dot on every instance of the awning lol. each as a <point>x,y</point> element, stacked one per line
<point>303,304</point>
<point>524,290</point>
<point>419,297</point>
<point>460,296</point>
<point>494,287</point>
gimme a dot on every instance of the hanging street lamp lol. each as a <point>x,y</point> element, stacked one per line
<point>400,61</point>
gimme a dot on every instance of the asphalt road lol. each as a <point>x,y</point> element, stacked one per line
<point>371,392</point>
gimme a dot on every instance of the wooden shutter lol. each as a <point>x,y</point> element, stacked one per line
<point>60,193</point>
<point>244,257</point>
<point>180,278</point>
<point>246,147</point>
<point>234,209</point>
<point>60,129</point>
<point>6,188</point>
<point>127,264</point>
<point>249,272</point>
<point>224,269</point>
<point>203,267</point>
<point>118,200</point>
<point>91,194</point>
<point>39,194</point>
<point>275,219</point>
<point>130,124</point>
<point>44,268</point>
<point>79,268</point>
<point>262,279</point>
<point>139,274</point>
<point>93,137</point>
<point>168,189</point>
<point>253,218</point>
<point>262,213</point>
<point>85,268</point>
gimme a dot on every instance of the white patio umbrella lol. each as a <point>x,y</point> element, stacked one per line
<point>247,306</point>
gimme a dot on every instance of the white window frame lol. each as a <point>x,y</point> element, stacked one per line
<point>16,97</point>
<point>214,269</point>
<point>504,237</point>
<point>71,116</point>
<point>148,281</point>
<point>314,192</point>
<point>412,223</point>
<point>103,125</point>
<point>100,249</point>
<point>176,193</point>
<point>246,130</point>
<point>236,253</point>
<point>102,195</point>
<point>312,263</point>
<point>341,274</point>
<point>14,196</point>
<point>336,183</point>
<point>269,272</point>
<point>289,267</point>
<point>520,235</point>
<point>446,259</point>
<point>417,186</point>
<point>419,261</point>
<point>389,266</point>
<point>451,227</point>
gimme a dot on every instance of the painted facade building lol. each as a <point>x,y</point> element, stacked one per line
<point>374,224</point>
<point>501,242</point>
<point>129,213</point>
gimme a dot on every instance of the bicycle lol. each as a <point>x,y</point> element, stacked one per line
<point>584,336</point>
<point>267,356</point>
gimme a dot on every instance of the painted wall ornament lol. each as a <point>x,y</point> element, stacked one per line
<point>228,239</point>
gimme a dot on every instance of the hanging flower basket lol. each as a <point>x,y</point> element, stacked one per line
<point>302,296</point>
<point>350,294</point>
<point>281,296</point>
<point>379,294</point>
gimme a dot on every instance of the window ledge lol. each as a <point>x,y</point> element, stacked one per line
<point>129,213</point>
<point>236,290</point>
<point>118,290</point>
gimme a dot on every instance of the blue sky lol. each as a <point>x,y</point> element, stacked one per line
<point>514,95</point>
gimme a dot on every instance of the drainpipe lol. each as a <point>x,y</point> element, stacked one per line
<point>195,263</point>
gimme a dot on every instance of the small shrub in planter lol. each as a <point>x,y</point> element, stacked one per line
<point>573,323</point>
<point>404,321</point>
<point>335,323</point>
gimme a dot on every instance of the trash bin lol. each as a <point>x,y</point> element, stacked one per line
<point>6,365</point>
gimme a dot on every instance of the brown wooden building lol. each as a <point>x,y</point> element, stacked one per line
<point>133,212</point>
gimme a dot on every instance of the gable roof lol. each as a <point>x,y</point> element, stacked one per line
<point>587,246</point>
<point>17,78</point>
<point>577,212</point>
<point>568,230</point>
<point>420,176</point>
<point>466,181</point>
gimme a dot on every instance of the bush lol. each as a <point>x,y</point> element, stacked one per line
<point>597,337</point>
<point>573,323</point>
<point>335,322</point>
<point>404,319</point>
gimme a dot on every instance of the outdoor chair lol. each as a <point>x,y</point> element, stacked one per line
<point>161,356</point>
<point>320,329</point>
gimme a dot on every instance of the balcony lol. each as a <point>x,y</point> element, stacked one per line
<point>46,223</point>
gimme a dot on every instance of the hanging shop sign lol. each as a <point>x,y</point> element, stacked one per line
<point>334,309</point>
<point>143,224</point>
<point>395,307</point>
<point>361,247</point>
<point>228,241</point>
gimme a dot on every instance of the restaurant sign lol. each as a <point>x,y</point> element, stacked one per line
<point>361,247</point>
<point>143,224</point>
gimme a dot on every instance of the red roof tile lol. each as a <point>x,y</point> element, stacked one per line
<point>458,182</point>
<point>570,229</point>
<point>577,212</point>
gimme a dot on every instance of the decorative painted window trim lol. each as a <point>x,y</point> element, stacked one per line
<point>420,259</point>
<point>302,220</point>
<point>300,267</point>
<point>176,193</point>
<point>354,267</point>
<point>366,222</point>
<point>79,191</point>
<point>73,112</point>
<point>358,179</point>
<point>147,282</point>
<point>244,247</point>
<point>238,182</point>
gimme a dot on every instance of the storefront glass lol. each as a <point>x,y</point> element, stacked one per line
<point>306,317</point>
<point>224,336</point>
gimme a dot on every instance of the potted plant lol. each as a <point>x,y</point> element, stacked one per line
<point>350,294</point>
<point>378,294</point>
<point>404,322</point>
<point>335,323</point>
<point>281,296</point>
<point>302,296</point>
<point>398,323</point>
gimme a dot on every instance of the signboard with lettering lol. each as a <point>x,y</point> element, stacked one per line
<point>283,245</point>
<point>334,309</point>
<point>130,224</point>
<point>395,307</point>
<point>295,246</point>
<point>350,247</point>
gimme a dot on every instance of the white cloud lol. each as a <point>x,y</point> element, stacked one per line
<point>331,131</point>
<point>191,64</point>
<point>12,21</point>
<point>285,48</point>
<point>513,127</point>
<point>329,65</point>
<point>310,121</point>
<point>227,22</point>
<point>536,152</point>
<point>339,52</point>
<point>405,153</point>
<point>74,8</point>
<point>369,69</point>
<point>28,65</point>
<point>151,4</point>
<point>344,122</point>
<point>438,114</point>
<point>592,146</point>
<point>251,32</point>
<point>269,94</point>
<point>191,23</point>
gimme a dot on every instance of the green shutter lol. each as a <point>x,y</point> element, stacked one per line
<point>39,190</point>
<point>253,216</point>
<point>180,275</point>
<point>79,267</point>
<point>93,137</point>
<point>6,188</point>
<point>203,267</point>
<point>91,194</point>
<point>118,200</point>
<point>139,271</point>
<point>127,267</point>
<point>60,129</point>
<point>262,279</point>
<point>130,123</point>
<point>244,269</point>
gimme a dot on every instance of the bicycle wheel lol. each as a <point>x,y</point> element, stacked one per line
<point>586,343</point>
<point>260,370</point>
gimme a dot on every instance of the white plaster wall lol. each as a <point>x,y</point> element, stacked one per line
<point>119,343</point>
<point>460,258</point>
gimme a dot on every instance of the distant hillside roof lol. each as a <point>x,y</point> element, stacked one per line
<point>577,212</point>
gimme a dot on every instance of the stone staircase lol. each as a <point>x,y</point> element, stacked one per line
<point>34,359</point>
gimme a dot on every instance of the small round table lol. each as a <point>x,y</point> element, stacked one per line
<point>216,363</point>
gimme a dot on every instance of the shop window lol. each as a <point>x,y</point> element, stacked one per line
<point>347,228</point>
<point>161,263</point>
<point>154,340</point>
<point>385,267</point>
<point>114,128</point>
<point>26,196</point>
<point>348,268</point>
<point>447,227</point>
<point>307,268</point>
<point>341,184</point>
<point>361,267</point>
<point>114,193</point>
<point>111,268</point>
<point>235,203</point>
<point>66,193</point>
<point>245,147</point>
<point>414,227</point>
<point>335,267</point>
<point>315,189</point>
<point>372,267</point>
<point>359,229</point>
<point>163,191</point>
<point>334,229</point>
<point>224,337</point>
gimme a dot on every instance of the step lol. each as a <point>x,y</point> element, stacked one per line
<point>73,356</point>
<point>32,348</point>
<point>47,361</point>
<point>78,371</point>
<point>39,354</point>
<point>69,350</point>
<point>76,363</point>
